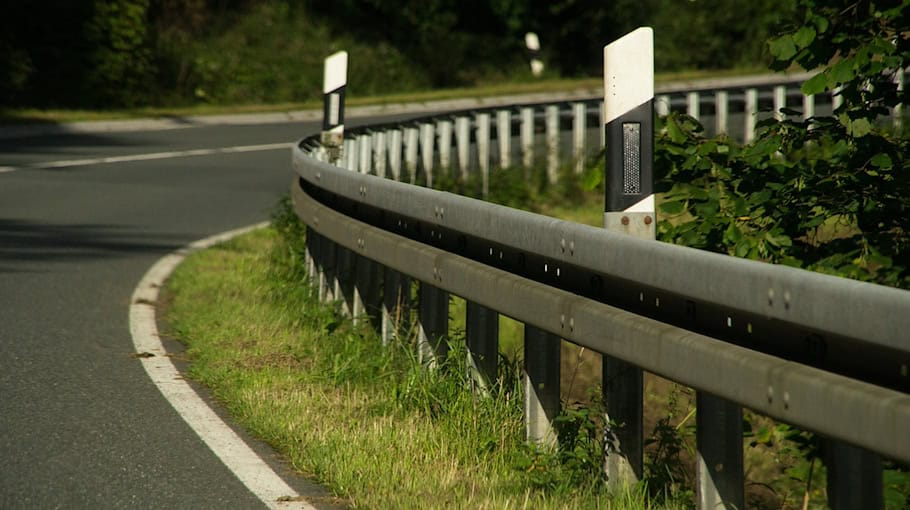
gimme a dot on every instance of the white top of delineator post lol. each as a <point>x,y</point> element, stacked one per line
<point>628,72</point>
<point>532,42</point>
<point>335,73</point>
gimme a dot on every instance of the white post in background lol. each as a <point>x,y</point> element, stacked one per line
<point>366,153</point>
<point>463,140</point>
<point>662,105</point>
<point>602,110</point>
<point>551,114</point>
<point>483,150</point>
<point>721,111</point>
<point>837,100</point>
<point>395,154</point>
<point>410,153</point>
<point>504,137</point>
<point>527,137</point>
<point>444,128</point>
<point>693,105</point>
<point>780,102</point>
<point>379,153</point>
<point>897,113</point>
<point>532,42</point>
<point>427,138</point>
<point>334,81</point>
<point>808,106</point>
<point>579,130</point>
<point>352,156</point>
<point>750,110</point>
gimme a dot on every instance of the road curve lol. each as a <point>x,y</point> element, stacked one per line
<point>81,424</point>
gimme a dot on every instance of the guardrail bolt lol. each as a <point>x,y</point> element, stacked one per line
<point>625,220</point>
<point>648,220</point>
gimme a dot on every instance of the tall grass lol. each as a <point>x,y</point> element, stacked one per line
<point>370,422</point>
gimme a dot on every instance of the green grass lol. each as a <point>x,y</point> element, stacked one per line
<point>370,423</point>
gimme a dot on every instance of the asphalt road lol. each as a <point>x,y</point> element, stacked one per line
<point>81,424</point>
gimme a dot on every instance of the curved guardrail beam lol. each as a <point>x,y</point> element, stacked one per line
<point>825,353</point>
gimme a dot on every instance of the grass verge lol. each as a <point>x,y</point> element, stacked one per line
<point>371,423</point>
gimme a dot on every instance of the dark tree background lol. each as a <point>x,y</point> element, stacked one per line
<point>122,53</point>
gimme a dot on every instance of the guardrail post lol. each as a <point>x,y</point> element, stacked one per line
<point>483,150</point>
<point>366,153</point>
<point>334,82</point>
<point>432,324</point>
<point>719,468</point>
<point>482,335</point>
<point>463,141</point>
<point>527,137</point>
<point>427,139</point>
<point>541,382</point>
<point>504,137</point>
<point>780,102</point>
<point>628,208</point>
<point>837,100</point>
<point>395,154</point>
<point>750,110</point>
<point>897,113</point>
<point>808,106</point>
<point>579,130</point>
<point>366,289</point>
<point>693,105</point>
<point>721,111</point>
<point>396,304</point>
<point>854,477</point>
<point>662,105</point>
<point>354,154</point>
<point>552,127</point>
<point>310,241</point>
<point>327,270</point>
<point>344,279</point>
<point>410,152</point>
<point>379,153</point>
<point>445,145</point>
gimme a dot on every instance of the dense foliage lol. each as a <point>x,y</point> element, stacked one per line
<point>115,53</point>
<point>825,193</point>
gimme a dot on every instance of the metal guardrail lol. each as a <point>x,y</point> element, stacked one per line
<point>827,354</point>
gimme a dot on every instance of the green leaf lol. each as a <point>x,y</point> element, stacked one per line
<point>672,207</point>
<point>804,37</point>
<point>782,48</point>
<point>676,134</point>
<point>859,127</point>
<point>882,161</point>
<point>841,72</point>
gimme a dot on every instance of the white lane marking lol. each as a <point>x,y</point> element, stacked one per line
<point>246,465</point>
<point>50,165</point>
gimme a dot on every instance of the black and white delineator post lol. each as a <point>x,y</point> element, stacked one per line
<point>629,208</point>
<point>629,125</point>
<point>532,43</point>
<point>334,81</point>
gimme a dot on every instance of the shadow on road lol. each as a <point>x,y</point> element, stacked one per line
<point>26,241</point>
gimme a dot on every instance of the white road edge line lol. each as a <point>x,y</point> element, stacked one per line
<point>153,155</point>
<point>239,458</point>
